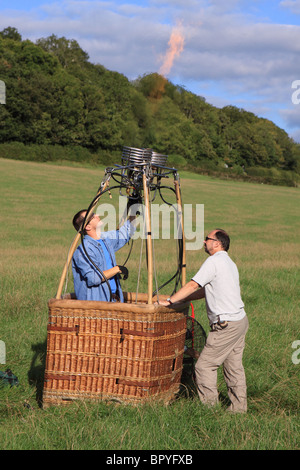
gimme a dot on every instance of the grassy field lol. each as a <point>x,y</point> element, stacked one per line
<point>37,205</point>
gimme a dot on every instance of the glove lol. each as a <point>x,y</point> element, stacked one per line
<point>124,271</point>
<point>134,199</point>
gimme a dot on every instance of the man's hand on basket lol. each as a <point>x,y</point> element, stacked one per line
<point>164,303</point>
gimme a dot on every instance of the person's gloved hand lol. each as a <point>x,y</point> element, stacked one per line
<point>124,271</point>
<point>132,200</point>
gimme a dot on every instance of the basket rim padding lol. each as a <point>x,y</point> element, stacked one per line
<point>117,306</point>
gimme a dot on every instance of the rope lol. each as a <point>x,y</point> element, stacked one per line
<point>193,327</point>
<point>154,269</point>
<point>140,261</point>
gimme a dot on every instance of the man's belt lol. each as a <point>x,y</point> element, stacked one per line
<point>221,324</point>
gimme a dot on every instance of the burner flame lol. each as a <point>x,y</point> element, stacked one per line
<point>176,46</point>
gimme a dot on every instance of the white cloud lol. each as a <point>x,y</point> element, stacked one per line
<point>293,5</point>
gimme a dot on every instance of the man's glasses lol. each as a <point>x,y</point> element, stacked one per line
<point>214,239</point>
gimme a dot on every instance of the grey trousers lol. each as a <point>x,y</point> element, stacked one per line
<point>224,346</point>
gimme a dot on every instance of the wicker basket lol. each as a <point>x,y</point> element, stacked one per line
<point>130,352</point>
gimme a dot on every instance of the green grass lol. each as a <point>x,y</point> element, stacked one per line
<point>37,205</point>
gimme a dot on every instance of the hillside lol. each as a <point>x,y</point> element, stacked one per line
<point>58,103</point>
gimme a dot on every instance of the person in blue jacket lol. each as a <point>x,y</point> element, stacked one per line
<point>101,248</point>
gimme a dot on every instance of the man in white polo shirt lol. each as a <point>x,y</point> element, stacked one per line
<point>218,281</point>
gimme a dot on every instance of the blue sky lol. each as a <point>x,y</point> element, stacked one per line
<point>237,52</point>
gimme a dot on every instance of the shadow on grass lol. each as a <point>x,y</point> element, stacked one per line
<point>36,372</point>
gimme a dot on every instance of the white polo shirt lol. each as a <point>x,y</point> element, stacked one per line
<point>220,278</point>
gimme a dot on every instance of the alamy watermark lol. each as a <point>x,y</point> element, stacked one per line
<point>2,92</point>
<point>296,354</point>
<point>296,93</point>
<point>166,221</point>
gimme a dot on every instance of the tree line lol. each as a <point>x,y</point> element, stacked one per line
<point>56,98</point>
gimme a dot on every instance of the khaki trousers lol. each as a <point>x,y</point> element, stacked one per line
<point>224,346</point>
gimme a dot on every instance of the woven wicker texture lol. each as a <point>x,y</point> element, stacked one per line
<point>129,352</point>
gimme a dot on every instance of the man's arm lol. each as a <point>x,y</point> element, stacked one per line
<point>198,294</point>
<point>88,271</point>
<point>118,238</point>
<point>109,273</point>
<point>191,291</point>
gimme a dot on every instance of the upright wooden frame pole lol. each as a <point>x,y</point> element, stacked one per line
<point>180,216</point>
<point>149,239</point>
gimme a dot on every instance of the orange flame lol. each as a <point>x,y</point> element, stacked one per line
<point>176,44</point>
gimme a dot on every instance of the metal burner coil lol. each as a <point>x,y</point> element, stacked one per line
<point>135,156</point>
